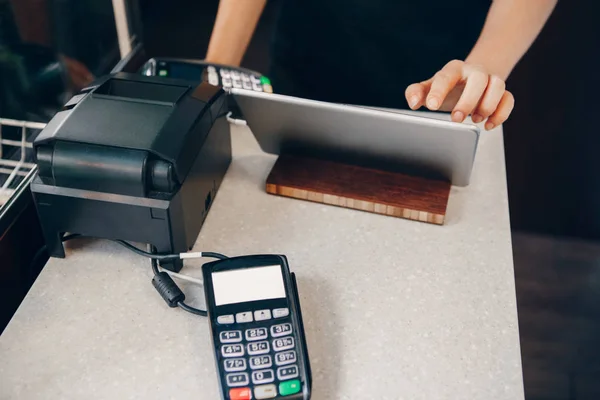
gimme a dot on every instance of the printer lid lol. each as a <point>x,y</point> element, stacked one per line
<point>130,111</point>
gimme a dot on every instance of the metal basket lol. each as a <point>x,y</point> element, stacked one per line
<point>16,156</point>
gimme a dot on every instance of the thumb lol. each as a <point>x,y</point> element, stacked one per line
<point>417,93</point>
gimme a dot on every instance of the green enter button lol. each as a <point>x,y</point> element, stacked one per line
<point>289,387</point>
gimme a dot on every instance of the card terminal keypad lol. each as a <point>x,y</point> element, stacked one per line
<point>241,80</point>
<point>262,358</point>
<point>256,334</point>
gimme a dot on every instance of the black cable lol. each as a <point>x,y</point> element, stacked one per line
<point>211,254</point>
<point>160,257</point>
<point>154,266</point>
<point>192,310</point>
<point>154,258</point>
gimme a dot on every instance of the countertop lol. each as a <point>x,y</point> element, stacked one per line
<point>393,309</point>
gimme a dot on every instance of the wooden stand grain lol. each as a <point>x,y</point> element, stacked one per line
<point>343,185</point>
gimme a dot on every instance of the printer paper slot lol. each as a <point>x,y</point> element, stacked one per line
<point>142,90</point>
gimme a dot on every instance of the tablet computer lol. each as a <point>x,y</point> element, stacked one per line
<point>363,136</point>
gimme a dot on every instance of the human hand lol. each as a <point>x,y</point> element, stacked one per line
<point>465,89</point>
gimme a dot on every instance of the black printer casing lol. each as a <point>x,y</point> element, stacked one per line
<point>133,158</point>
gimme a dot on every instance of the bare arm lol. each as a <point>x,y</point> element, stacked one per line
<point>476,86</point>
<point>234,27</point>
<point>509,31</point>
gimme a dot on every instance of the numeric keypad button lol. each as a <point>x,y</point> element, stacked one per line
<point>232,350</point>
<point>257,348</point>
<point>285,343</point>
<point>238,379</point>
<point>284,373</point>
<point>256,334</point>
<point>230,336</point>
<point>285,358</point>
<point>235,364</point>
<point>213,79</point>
<point>281,330</point>
<point>263,376</point>
<point>260,362</point>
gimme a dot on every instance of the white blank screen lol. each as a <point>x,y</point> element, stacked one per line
<point>249,284</point>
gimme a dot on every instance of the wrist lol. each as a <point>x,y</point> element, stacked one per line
<point>493,62</point>
<point>216,57</point>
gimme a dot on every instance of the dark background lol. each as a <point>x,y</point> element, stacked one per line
<point>551,139</point>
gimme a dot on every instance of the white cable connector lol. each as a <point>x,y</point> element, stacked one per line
<point>234,121</point>
<point>192,254</point>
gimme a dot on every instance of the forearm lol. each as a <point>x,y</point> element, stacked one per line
<point>32,20</point>
<point>510,29</point>
<point>234,26</point>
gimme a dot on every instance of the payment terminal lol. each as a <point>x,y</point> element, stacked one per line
<point>256,327</point>
<point>215,74</point>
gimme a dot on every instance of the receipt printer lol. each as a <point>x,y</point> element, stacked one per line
<point>135,158</point>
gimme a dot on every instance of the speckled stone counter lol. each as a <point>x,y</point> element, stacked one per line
<point>393,309</point>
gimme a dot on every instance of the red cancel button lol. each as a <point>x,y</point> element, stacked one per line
<point>240,394</point>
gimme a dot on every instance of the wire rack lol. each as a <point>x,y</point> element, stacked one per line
<point>16,153</point>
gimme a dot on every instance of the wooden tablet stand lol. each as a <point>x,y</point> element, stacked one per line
<point>350,186</point>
